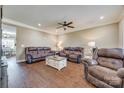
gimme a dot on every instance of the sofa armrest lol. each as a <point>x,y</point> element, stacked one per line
<point>79,56</point>
<point>52,52</point>
<point>28,58</point>
<point>89,62</point>
<point>120,73</point>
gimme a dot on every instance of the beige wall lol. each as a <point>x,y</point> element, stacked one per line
<point>104,36</point>
<point>121,33</point>
<point>27,37</point>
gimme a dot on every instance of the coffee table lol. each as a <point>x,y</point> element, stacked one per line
<point>56,62</point>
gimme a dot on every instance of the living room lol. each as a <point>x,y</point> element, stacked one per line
<point>68,34</point>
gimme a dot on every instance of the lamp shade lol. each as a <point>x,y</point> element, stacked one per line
<point>59,45</point>
<point>92,44</point>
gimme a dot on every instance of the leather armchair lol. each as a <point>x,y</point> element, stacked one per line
<point>106,70</point>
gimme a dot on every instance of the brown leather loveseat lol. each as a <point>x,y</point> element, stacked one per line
<point>106,69</point>
<point>73,54</point>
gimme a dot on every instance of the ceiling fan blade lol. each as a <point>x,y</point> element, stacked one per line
<point>71,26</point>
<point>69,23</point>
<point>60,24</point>
<point>59,27</point>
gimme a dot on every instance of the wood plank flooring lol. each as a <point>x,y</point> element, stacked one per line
<point>39,75</point>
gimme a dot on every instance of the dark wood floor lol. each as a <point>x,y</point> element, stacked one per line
<point>39,75</point>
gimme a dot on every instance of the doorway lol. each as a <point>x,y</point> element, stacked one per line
<point>8,41</point>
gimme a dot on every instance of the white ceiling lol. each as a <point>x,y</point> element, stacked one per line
<point>83,16</point>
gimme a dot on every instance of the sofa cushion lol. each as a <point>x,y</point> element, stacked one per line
<point>62,54</point>
<point>46,53</point>
<point>73,56</point>
<point>67,52</point>
<point>34,54</point>
<point>106,75</point>
<point>111,53</point>
<point>46,48</point>
<point>32,49</point>
<point>40,48</point>
<point>41,54</point>
<point>71,52</point>
<point>120,72</point>
<point>77,53</point>
<point>97,83</point>
<point>110,62</point>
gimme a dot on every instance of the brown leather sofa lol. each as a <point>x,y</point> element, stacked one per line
<point>34,54</point>
<point>106,69</point>
<point>73,54</point>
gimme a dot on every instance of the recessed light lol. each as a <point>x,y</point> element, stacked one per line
<point>101,17</point>
<point>39,24</point>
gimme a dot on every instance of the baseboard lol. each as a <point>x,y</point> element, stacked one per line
<point>19,61</point>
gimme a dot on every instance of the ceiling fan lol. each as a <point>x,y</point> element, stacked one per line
<point>65,25</point>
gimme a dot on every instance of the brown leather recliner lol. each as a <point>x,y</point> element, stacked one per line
<point>106,69</point>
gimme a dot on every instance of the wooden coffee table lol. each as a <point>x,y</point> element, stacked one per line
<point>56,62</point>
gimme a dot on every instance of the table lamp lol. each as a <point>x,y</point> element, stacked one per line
<point>92,47</point>
<point>92,44</point>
